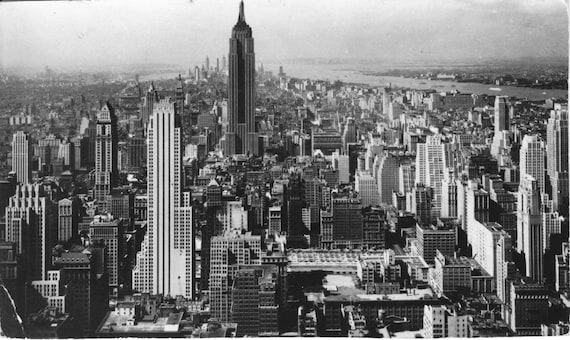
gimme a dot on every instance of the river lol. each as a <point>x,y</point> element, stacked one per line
<point>355,74</point>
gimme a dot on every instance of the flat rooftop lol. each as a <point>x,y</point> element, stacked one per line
<point>116,324</point>
<point>357,296</point>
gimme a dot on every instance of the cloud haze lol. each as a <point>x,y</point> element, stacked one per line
<point>183,32</point>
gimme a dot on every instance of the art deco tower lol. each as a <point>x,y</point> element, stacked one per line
<point>241,136</point>
<point>165,264</point>
<point>22,157</point>
<point>106,172</point>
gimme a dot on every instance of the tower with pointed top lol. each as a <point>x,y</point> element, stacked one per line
<point>106,170</point>
<point>179,93</point>
<point>150,99</point>
<point>241,136</point>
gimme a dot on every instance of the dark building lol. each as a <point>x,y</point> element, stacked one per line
<point>110,232</point>
<point>87,286</point>
<point>254,304</point>
<point>241,136</point>
<point>296,229</point>
<point>136,151</point>
<point>528,307</point>
<point>374,228</point>
<point>151,97</point>
<point>106,165</point>
<point>346,222</point>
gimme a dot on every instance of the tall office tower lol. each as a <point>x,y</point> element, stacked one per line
<point>150,98</point>
<point>179,94</point>
<point>66,153</point>
<point>68,218</point>
<point>373,228</point>
<point>476,207</point>
<point>505,267</point>
<point>91,132</point>
<point>110,232</point>
<point>341,163</point>
<point>371,152</point>
<point>227,253</point>
<point>501,114</point>
<point>197,74</point>
<point>86,279</point>
<point>350,133</point>
<point>387,179</point>
<point>52,292</point>
<point>367,188</point>
<point>432,161</point>
<point>234,217</point>
<point>213,194</point>
<point>449,197</point>
<point>314,199</point>
<point>48,149</point>
<point>562,269</point>
<point>31,224</point>
<point>207,63</point>
<point>80,152</point>
<point>254,303</point>
<point>106,173</point>
<point>296,229</point>
<point>557,158</point>
<point>431,239</point>
<point>275,220</point>
<point>450,274</point>
<point>529,227</point>
<point>386,101</point>
<point>347,222</point>
<point>22,157</point>
<point>444,322</point>
<point>532,159</point>
<point>529,303</point>
<point>407,177</point>
<point>241,136</point>
<point>483,237</point>
<point>224,63</point>
<point>136,151</point>
<point>419,201</point>
<point>217,65</point>
<point>165,264</point>
<point>394,111</point>
<point>551,222</point>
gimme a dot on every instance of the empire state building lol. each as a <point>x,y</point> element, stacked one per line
<point>241,137</point>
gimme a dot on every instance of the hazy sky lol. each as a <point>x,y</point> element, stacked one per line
<point>109,32</point>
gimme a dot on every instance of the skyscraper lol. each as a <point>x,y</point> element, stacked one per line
<point>387,179</point>
<point>30,220</point>
<point>501,114</point>
<point>347,222</point>
<point>557,158</point>
<point>22,157</point>
<point>350,134</point>
<point>165,264</point>
<point>432,160</point>
<point>227,253</point>
<point>501,136</point>
<point>106,172</point>
<point>367,188</point>
<point>530,227</point>
<point>532,159</point>
<point>241,136</point>
<point>151,97</point>
<point>110,231</point>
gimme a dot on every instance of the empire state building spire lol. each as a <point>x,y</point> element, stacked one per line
<point>241,136</point>
<point>241,17</point>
